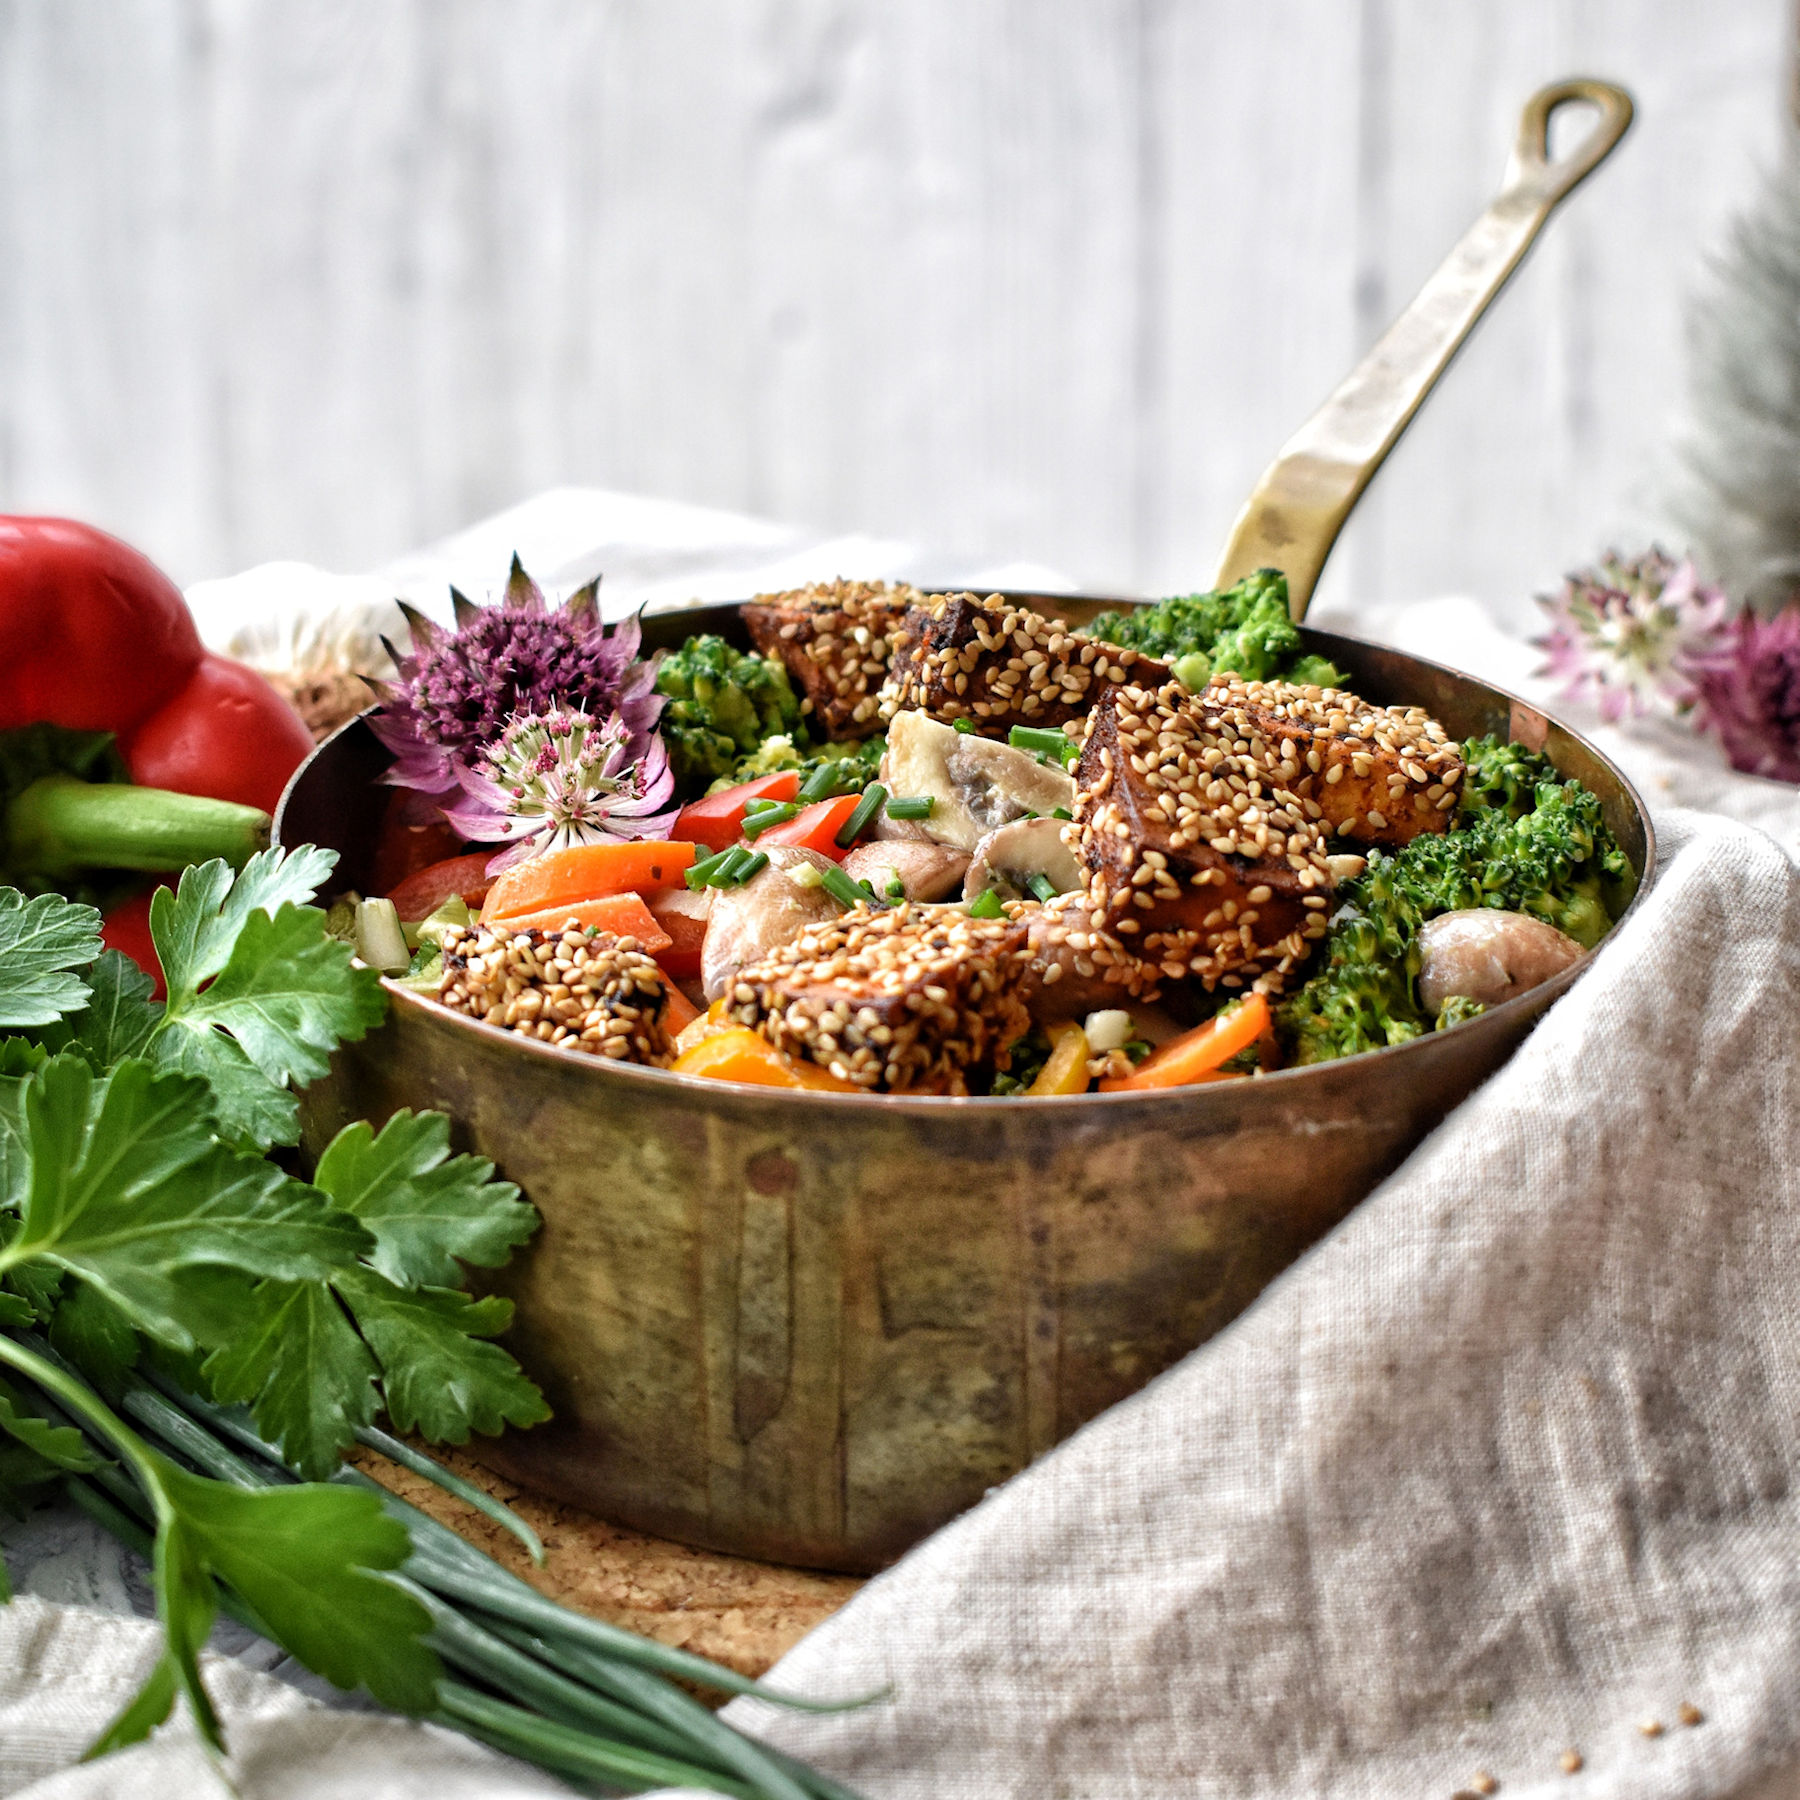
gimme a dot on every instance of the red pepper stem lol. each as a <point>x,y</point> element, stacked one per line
<point>59,826</point>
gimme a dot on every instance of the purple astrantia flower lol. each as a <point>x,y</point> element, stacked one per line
<point>456,690</point>
<point>564,777</point>
<point>1624,634</point>
<point>1748,694</point>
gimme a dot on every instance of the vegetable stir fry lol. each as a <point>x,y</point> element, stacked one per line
<point>944,844</point>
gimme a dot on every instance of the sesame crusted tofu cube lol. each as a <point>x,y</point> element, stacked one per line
<point>578,988</point>
<point>907,1001</point>
<point>836,640</point>
<point>1196,854</point>
<point>999,664</point>
<point>1369,774</point>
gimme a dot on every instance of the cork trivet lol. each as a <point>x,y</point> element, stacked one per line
<point>743,1614</point>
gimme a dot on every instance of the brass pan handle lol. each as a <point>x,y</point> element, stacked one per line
<point>1294,515</point>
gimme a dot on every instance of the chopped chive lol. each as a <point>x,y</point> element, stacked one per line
<point>821,784</point>
<point>755,824</point>
<point>1061,812</point>
<point>912,806</point>
<point>1044,743</point>
<point>753,868</point>
<point>896,890</point>
<point>726,874</point>
<point>762,803</point>
<point>873,799</point>
<point>988,906</point>
<point>700,874</point>
<point>1043,887</point>
<point>965,727</point>
<point>840,887</point>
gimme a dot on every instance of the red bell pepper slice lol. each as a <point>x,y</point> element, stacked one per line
<point>816,828</point>
<point>718,820</point>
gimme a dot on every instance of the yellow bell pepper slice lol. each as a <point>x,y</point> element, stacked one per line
<point>1065,1071</point>
<point>740,1054</point>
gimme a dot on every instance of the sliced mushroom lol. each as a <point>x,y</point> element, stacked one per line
<point>1008,858</point>
<point>766,912</point>
<point>1487,955</point>
<point>976,783</point>
<point>925,871</point>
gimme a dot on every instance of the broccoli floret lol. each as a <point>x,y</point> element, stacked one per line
<point>855,765</point>
<point>1533,846</point>
<point>722,704</point>
<point>1457,1008</point>
<point>1243,630</point>
<point>1501,775</point>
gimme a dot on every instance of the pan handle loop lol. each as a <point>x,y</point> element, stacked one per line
<point>1297,509</point>
<point>1533,168</point>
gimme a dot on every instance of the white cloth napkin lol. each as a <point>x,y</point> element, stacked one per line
<point>1501,1470</point>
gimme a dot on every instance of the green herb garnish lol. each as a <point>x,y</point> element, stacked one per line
<point>1042,743</point>
<point>987,906</point>
<point>874,797</point>
<point>912,806</point>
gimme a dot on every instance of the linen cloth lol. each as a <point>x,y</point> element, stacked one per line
<point>1503,1469</point>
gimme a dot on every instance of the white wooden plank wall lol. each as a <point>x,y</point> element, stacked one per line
<point>1011,277</point>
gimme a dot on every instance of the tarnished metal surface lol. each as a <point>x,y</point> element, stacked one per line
<point>812,1327</point>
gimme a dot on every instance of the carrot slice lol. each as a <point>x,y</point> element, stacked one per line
<point>740,1054</point>
<point>717,821</point>
<point>624,915</point>
<point>816,828</point>
<point>1195,1055</point>
<point>424,891</point>
<point>586,872</point>
<point>680,1012</point>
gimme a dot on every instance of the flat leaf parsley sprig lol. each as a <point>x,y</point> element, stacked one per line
<point>190,1338</point>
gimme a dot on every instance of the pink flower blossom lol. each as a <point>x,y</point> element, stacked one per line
<point>562,777</point>
<point>456,690</point>
<point>1623,635</point>
<point>1748,694</point>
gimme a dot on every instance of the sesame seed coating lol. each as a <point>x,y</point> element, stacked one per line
<point>1372,774</point>
<point>1078,964</point>
<point>577,988</point>
<point>836,639</point>
<point>999,664</point>
<point>907,999</point>
<point>1196,849</point>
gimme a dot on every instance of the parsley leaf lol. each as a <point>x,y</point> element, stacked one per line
<point>248,1107</point>
<point>306,1556</point>
<point>120,1017</point>
<point>258,994</point>
<point>439,1378</point>
<point>42,943</point>
<point>311,1379</point>
<point>426,1212</point>
<point>308,1367</point>
<point>127,1186</point>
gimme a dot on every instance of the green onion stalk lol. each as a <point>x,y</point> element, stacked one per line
<point>581,1699</point>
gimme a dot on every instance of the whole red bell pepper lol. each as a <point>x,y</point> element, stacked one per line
<point>95,638</point>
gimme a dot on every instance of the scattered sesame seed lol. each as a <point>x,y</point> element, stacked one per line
<point>1651,1728</point>
<point>1570,1762</point>
<point>1689,1714</point>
